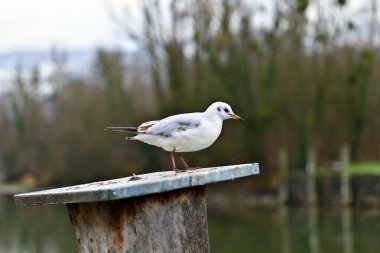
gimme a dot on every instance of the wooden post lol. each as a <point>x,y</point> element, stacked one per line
<point>310,181</point>
<point>177,221</point>
<point>156,212</point>
<point>283,176</point>
<point>345,175</point>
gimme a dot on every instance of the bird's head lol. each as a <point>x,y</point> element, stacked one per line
<point>223,110</point>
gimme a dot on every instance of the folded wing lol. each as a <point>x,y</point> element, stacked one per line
<point>168,126</point>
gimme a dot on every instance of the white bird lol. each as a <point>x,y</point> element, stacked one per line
<point>187,132</point>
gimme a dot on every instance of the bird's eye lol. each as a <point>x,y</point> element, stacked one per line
<point>226,110</point>
<point>219,109</point>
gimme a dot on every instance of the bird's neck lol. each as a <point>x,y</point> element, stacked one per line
<point>214,117</point>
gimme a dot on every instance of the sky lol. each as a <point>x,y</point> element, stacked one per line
<point>69,24</point>
<point>83,25</point>
<point>74,24</point>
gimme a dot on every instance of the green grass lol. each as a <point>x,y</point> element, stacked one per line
<point>365,168</point>
<point>361,168</point>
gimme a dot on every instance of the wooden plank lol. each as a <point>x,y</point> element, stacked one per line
<point>174,221</point>
<point>143,185</point>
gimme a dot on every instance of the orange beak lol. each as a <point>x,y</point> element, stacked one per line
<point>234,116</point>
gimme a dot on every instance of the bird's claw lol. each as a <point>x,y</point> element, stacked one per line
<point>185,169</point>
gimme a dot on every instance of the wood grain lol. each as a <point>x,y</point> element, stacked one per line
<point>174,221</point>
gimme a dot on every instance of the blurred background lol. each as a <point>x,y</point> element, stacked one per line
<point>304,74</point>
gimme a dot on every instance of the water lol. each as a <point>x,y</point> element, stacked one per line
<point>295,230</point>
<point>36,229</point>
<point>285,230</point>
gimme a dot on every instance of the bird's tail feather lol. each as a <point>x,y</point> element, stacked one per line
<point>123,129</point>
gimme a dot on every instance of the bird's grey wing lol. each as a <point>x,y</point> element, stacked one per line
<point>178,123</point>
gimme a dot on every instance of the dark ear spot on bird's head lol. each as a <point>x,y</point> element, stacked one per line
<point>219,108</point>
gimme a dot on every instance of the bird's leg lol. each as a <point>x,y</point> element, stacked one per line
<point>173,161</point>
<point>186,167</point>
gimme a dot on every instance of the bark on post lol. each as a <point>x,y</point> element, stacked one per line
<point>177,222</point>
<point>156,212</point>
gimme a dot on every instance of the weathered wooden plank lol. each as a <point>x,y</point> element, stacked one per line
<point>174,221</point>
<point>144,185</point>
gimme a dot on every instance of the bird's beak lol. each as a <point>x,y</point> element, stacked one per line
<point>234,116</point>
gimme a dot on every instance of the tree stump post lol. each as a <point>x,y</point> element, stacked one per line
<point>155,212</point>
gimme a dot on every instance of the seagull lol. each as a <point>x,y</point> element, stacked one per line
<point>187,132</point>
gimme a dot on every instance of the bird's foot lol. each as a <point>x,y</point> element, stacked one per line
<point>185,169</point>
<point>188,168</point>
<point>192,168</point>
